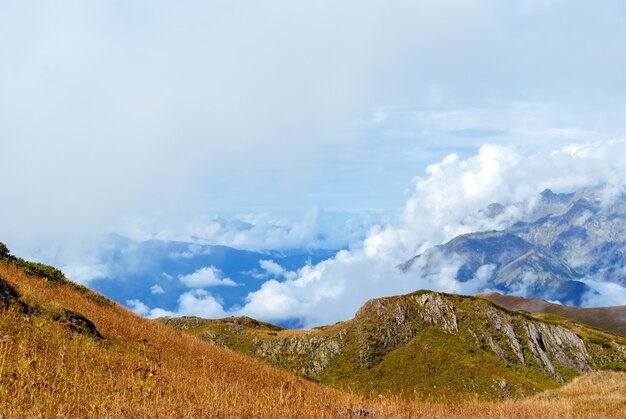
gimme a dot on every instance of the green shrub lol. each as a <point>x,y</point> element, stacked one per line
<point>39,269</point>
<point>4,251</point>
<point>614,366</point>
<point>101,300</point>
<point>600,341</point>
<point>80,288</point>
<point>5,254</point>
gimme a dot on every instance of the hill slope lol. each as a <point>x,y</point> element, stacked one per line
<point>66,351</point>
<point>426,343</point>
<point>612,319</point>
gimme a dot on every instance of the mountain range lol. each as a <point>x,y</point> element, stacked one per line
<point>551,251</point>
<point>561,247</point>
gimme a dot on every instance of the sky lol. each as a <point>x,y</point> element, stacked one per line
<point>161,119</point>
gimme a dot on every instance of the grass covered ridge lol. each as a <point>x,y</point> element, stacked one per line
<point>390,349</point>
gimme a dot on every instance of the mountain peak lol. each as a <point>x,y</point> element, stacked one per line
<point>568,243</point>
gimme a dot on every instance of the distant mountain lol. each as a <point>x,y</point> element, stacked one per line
<point>562,239</point>
<point>151,270</point>
<point>423,343</point>
<point>612,319</point>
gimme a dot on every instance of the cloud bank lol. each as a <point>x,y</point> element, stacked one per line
<point>449,200</point>
<point>110,109</point>
<point>206,277</point>
<point>313,229</point>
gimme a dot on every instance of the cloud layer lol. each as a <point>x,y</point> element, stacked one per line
<point>446,202</point>
<point>110,109</point>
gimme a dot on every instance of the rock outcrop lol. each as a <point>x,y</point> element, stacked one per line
<point>307,354</point>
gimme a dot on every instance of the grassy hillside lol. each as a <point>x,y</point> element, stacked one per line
<point>612,319</point>
<point>427,345</point>
<point>65,351</point>
<point>68,352</point>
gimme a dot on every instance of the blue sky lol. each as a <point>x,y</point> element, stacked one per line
<point>151,118</point>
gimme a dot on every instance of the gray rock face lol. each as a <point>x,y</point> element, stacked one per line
<point>546,343</point>
<point>563,238</point>
<point>184,322</point>
<point>503,324</point>
<point>538,349</point>
<point>437,311</point>
<point>309,354</point>
<point>586,233</point>
<point>562,345</point>
<point>383,324</point>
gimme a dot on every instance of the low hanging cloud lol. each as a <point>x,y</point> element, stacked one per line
<point>157,289</point>
<point>313,229</point>
<point>208,276</point>
<point>448,201</point>
<point>275,270</point>
<point>197,302</point>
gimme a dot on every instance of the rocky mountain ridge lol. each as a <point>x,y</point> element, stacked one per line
<point>426,342</point>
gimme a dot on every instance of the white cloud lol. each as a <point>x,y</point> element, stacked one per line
<point>274,269</point>
<point>138,307</point>
<point>313,229</point>
<point>85,273</point>
<point>448,201</point>
<point>208,276</point>
<point>198,302</point>
<point>604,294</point>
<point>253,111</point>
<point>157,290</point>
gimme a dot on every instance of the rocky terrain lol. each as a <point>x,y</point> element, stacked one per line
<point>612,319</point>
<point>426,343</point>
<point>560,241</point>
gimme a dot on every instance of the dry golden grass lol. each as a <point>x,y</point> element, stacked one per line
<point>145,369</point>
